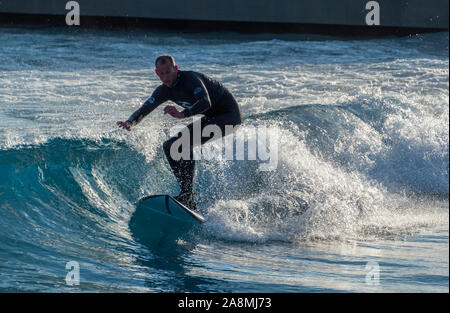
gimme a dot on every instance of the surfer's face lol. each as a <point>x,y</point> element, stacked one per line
<point>167,73</point>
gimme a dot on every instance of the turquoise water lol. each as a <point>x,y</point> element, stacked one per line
<point>358,201</point>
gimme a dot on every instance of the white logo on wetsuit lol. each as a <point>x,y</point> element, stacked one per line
<point>185,104</point>
<point>188,105</point>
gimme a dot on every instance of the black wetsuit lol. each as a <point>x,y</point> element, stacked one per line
<point>197,94</point>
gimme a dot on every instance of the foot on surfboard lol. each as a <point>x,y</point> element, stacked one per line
<point>187,199</point>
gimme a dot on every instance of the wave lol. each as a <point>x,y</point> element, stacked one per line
<point>344,171</point>
<point>405,153</point>
<point>69,193</point>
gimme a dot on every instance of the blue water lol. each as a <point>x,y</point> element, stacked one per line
<point>362,174</point>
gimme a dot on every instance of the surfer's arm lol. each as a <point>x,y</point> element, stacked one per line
<point>142,112</point>
<point>202,103</point>
<point>152,103</point>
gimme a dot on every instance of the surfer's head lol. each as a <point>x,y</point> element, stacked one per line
<point>166,69</point>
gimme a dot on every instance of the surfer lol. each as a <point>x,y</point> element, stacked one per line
<point>197,94</point>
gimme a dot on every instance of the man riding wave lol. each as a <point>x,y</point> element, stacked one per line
<point>197,94</point>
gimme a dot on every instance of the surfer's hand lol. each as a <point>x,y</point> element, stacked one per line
<point>172,111</point>
<point>124,125</point>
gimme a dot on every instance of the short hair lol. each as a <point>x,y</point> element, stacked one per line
<point>164,59</point>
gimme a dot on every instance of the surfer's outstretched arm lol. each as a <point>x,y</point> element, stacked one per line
<point>152,103</point>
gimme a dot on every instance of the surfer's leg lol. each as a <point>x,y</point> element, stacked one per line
<point>183,169</point>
